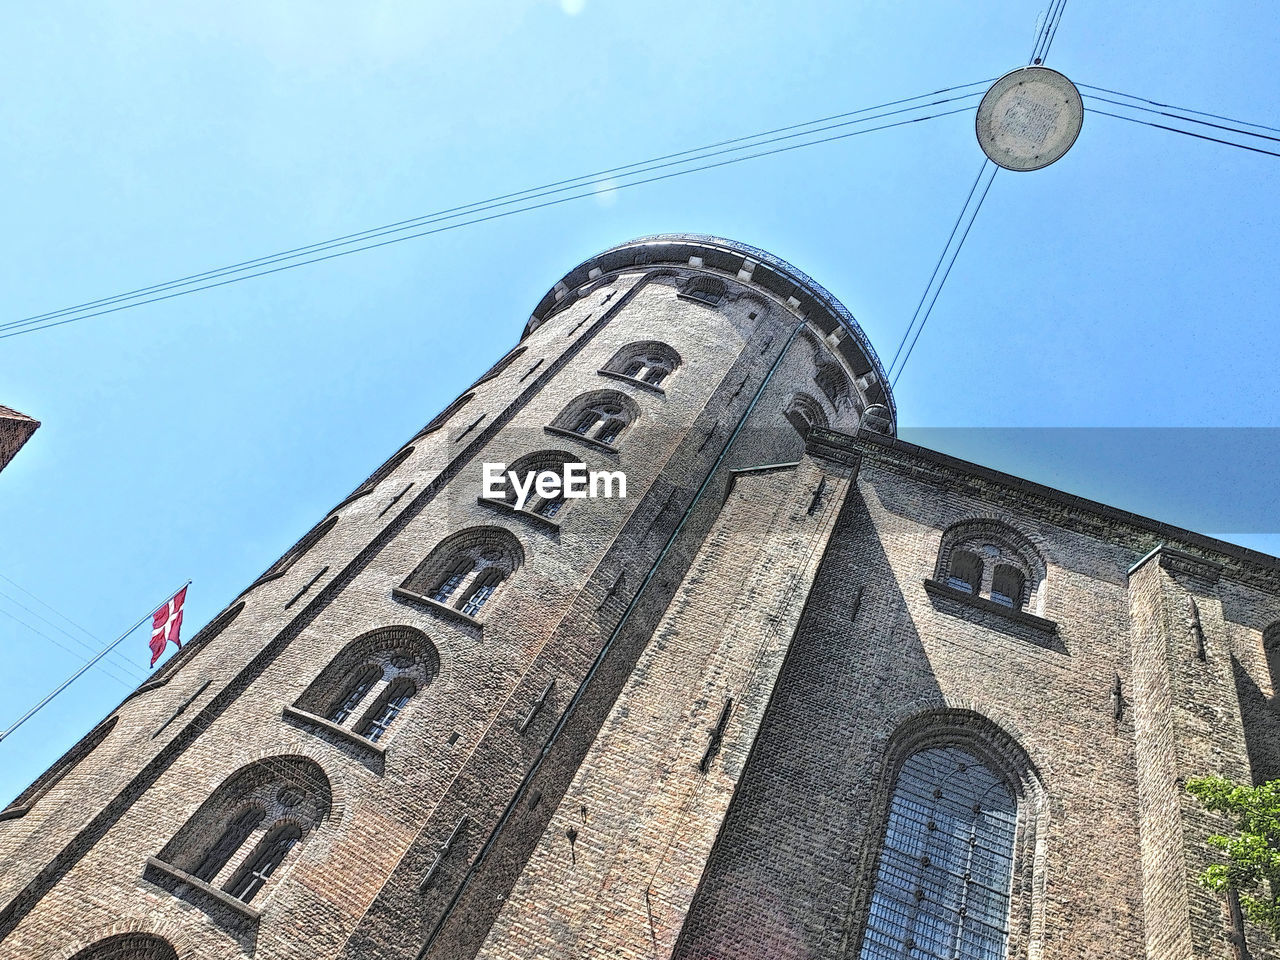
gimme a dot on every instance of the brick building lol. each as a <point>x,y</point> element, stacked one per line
<point>15,430</point>
<point>806,691</point>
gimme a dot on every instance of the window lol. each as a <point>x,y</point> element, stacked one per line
<point>244,837</point>
<point>602,416</point>
<point>804,413</point>
<point>129,946</point>
<point>831,380</point>
<point>650,362</point>
<point>393,702</point>
<point>531,465</point>
<point>356,693</point>
<point>942,886</point>
<point>264,861</point>
<point>704,289</point>
<point>372,681</point>
<point>966,571</point>
<point>994,561</point>
<point>466,571</point>
<point>1006,585</point>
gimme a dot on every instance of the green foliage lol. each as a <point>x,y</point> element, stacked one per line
<point>1252,869</point>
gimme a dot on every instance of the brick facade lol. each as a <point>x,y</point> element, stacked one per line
<point>675,728</point>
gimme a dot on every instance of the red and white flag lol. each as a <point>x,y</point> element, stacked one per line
<point>165,624</point>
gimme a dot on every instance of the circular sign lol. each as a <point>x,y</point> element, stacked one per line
<point>1029,118</point>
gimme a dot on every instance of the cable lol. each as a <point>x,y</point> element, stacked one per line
<point>493,216</point>
<point>1178,116</point>
<point>106,671</point>
<point>1188,133</point>
<point>502,200</point>
<point>937,266</point>
<point>1048,30</point>
<point>1170,106</point>
<point>927,312</point>
<point>125,666</point>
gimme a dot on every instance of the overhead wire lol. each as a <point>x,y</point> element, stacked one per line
<point>120,664</point>
<point>1170,106</point>
<point>915,326</point>
<point>107,671</point>
<point>1177,116</point>
<point>603,177</point>
<point>1186,133</point>
<point>929,310</point>
<point>17,328</point>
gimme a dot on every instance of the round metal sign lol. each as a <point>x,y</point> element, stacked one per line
<point>1029,118</point>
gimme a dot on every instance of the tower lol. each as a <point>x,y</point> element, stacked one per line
<point>372,738</point>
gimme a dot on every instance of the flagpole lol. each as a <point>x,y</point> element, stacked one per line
<point>75,676</point>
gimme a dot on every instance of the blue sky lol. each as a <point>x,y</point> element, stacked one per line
<point>1133,284</point>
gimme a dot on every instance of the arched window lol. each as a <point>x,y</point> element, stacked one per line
<point>602,416</point>
<point>804,413</point>
<point>945,869</point>
<point>372,679</point>
<point>831,380</point>
<point>704,289</point>
<point>263,862</point>
<point>650,362</point>
<point>530,466</point>
<point>992,560</point>
<point>965,571</point>
<point>1007,584</point>
<point>243,838</point>
<point>467,569</point>
<point>129,946</point>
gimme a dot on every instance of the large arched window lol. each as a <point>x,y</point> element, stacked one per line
<point>992,560</point>
<point>372,680</point>
<point>247,834</point>
<point>650,362</point>
<point>945,869</point>
<point>466,570</point>
<point>129,946</point>
<point>601,417</point>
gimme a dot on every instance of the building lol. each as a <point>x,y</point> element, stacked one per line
<point>806,691</point>
<point>15,430</point>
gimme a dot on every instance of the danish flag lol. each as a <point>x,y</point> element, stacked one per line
<point>165,624</point>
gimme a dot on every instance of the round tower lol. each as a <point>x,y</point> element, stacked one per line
<point>359,755</point>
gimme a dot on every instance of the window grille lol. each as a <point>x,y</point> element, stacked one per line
<point>945,870</point>
<point>275,847</point>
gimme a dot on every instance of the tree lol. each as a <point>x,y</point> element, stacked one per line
<point>1252,869</point>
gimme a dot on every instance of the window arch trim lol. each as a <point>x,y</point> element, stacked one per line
<point>1016,549</point>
